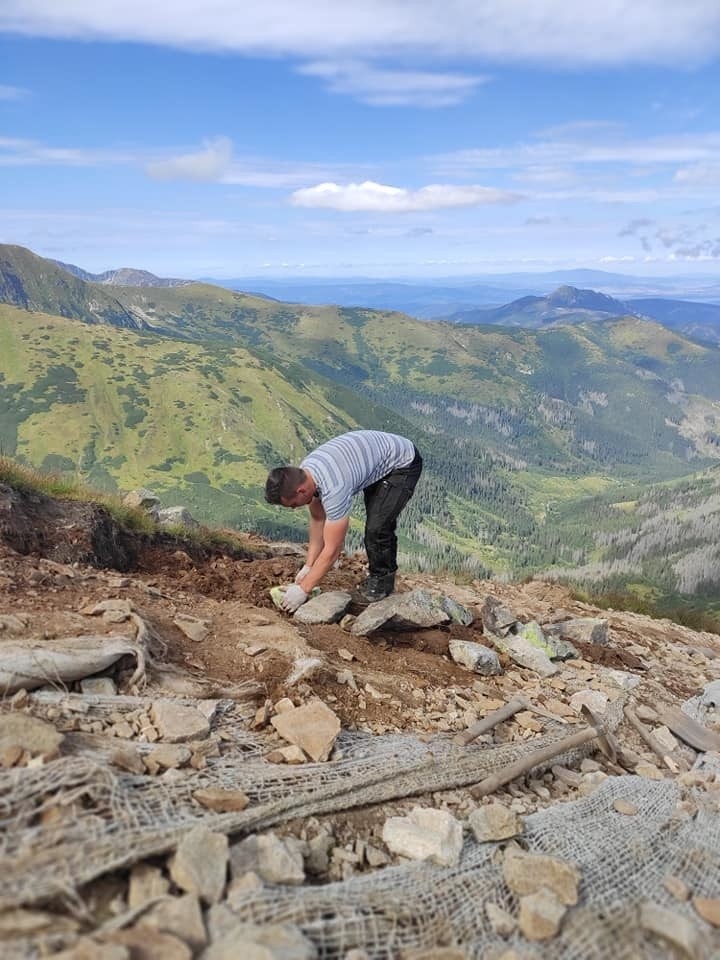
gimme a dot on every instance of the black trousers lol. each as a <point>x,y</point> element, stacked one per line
<point>384,501</point>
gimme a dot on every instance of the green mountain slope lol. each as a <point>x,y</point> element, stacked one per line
<point>623,394</point>
<point>512,422</point>
<point>658,542</point>
<point>33,283</point>
<point>201,424</point>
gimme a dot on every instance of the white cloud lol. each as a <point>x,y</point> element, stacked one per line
<point>700,174</point>
<point>393,88</point>
<point>550,154</point>
<point>553,32</point>
<point>208,164</point>
<point>379,198</point>
<point>16,152</point>
<point>12,93</point>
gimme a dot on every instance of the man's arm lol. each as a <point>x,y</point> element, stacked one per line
<point>315,531</point>
<point>333,534</point>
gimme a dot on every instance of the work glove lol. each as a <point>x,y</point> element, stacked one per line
<point>294,598</point>
<point>302,573</point>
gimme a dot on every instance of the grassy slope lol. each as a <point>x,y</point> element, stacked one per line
<point>121,408</point>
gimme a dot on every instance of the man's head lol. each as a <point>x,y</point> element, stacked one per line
<point>289,487</point>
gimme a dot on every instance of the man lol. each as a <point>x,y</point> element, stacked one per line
<point>386,468</point>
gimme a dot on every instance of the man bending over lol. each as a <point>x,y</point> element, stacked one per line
<point>386,467</point>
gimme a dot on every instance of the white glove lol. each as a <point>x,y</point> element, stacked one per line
<point>295,597</point>
<point>302,573</point>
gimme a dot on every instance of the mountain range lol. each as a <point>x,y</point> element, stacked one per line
<point>196,390</point>
<point>123,277</point>
<point>441,298</point>
<point>571,305</point>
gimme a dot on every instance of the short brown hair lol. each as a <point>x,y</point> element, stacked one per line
<point>282,482</point>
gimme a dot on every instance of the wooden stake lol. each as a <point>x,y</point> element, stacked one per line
<point>492,720</point>
<point>525,764</point>
<point>656,747</point>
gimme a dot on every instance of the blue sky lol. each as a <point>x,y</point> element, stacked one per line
<point>381,138</point>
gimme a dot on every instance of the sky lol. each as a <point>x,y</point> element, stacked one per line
<point>381,138</point>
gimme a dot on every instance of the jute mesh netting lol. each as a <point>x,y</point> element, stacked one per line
<point>114,819</point>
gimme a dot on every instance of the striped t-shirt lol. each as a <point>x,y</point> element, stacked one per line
<point>349,463</point>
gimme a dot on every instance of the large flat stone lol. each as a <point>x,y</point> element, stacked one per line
<point>313,727</point>
<point>425,834</point>
<point>324,608</point>
<point>176,722</point>
<point>402,611</point>
<point>199,864</point>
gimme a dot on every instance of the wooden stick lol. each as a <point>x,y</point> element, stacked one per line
<point>690,731</point>
<point>656,747</point>
<point>492,720</point>
<point>524,764</point>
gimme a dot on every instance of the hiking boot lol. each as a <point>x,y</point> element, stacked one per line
<point>374,588</point>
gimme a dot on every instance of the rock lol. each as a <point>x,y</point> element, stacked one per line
<point>522,651</point>
<point>324,608</point>
<point>708,908</point>
<point>180,916</point>
<point>674,928</point>
<point>582,629</point>
<point>146,883</point>
<point>31,734</point>
<point>241,886</point>
<point>176,517</point>
<point>247,941</point>
<point>496,618</point>
<point>11,623</point>
<point>495,822</point>
<point>176,722</point>
<point>527,873</point>
<point>401,611</point>
<point>676,888</point>
<point>425,834</point>
<point>193,628</point>
<point>317,860</point>
<point>302,668</point>
<point>541,914</point>
<point>284,704</point>
<point>457,612</point>
<point>220,800</point>
<point>665,738</point>
<point>272,858</point>
<point>624,807</point>
<point>502,922</point>
<point>99,686</point>
<point>88,948</point>
<point>313,727</point>
<point>594,700</point>
<point>590,782</point>
<point>475,657</point>
<point>168,756</point>
<point>555,648</point>
<point>145,943</point>
<point>291,754</point>
<point>141,499</point>
<point>20,922</point>
<point>649,770</point>
<point>559,708</point>
<point>127,758</point>
<point>199,864</point>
